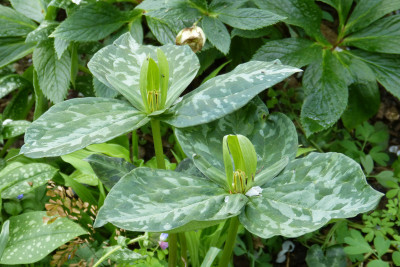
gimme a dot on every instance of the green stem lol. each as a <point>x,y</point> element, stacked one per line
<point>158,147</point>
<point>135,146</point>
<point>173,249</point>
<point>7,145</point>
<point>230,242</point>
<point>102,195</point>
<point>105,256</point>
<point>182,241</point>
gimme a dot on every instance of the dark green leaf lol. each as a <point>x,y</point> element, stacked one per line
<point>12,49</point>
<point>13,23</point>
<point>335,257</point>
<point>102,90</point>
<point>295,52</point>
<point>326,93</point>
<point>11,82</point>
<point>248,18</point>
<point>53,73</point>
<point>76,123</point>
<point>42,32</point>
<point>60,45</point>
<point>33,9</point>
<point>161,30</point>
<point>108,169</point>
<point>216,33</point>
<point>91,23</point>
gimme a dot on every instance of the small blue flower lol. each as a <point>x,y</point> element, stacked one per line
<point>163,236</point>
<point>20,196</point>
<point>69,256</point>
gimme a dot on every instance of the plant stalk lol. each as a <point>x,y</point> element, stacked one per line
<point>158,148</point>
<point>230,242</point>
<point>173,249</point>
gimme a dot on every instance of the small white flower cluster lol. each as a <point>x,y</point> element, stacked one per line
<point>76,1</point>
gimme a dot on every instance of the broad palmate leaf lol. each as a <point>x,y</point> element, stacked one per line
<point>76,123</point>
<point>30,240</point>
<point>161,200</point>
<point>307,194</point>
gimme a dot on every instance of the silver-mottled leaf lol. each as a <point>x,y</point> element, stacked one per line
<point>22,179</point>
<point>11,82</point>
<point>14,128</point>
<point>102,90</point>
<point>33,9</point>
<point>159,200</point>
<point>273,136</point>
<point>309,192</point>
<point>118,66</point>
<point>76,123</point>
<point>12,49</point>
<point>31,240</point>
<point>226,93</point>
<point>13,23</point>
<point>108,169</point>
<point>42,32</point>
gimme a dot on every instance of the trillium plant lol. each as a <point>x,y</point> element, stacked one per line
<point>242,165</point>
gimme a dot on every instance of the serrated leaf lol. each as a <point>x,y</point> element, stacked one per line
<point>11,82</point>
<point>335,257</point>
<point>136,29</point>
<point>108,169</point>
<point>385,67</point>
<point>76,123</point>
<point>21,180</point>
<point>91,23</point>
<point>252,33</point>
<point>364,102</point>
<point>381,245</point>
<point>326,94</point>
<point>161,30</point>
<point>118,66</point>
<point>296,52</point>
<point>31,240</point>
<point>368,11</point>
<point>159,200</point>
<point>307,194</point>
<point>248,18</point>
<point>302,13</point>
<point>216,33</point>
<point>274,136</point>
<point>378,263</point>
<point>33,9</point>
<point>14,128</point>
<point>381,36</point>
<point>12,49</point>
<point>13,23</point>
<point>53,73</point>
<point>342,7</point>
<point>227,92</point>
<point>42,32</point>
<point>60,45</point>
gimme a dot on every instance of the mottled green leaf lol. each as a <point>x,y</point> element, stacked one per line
<point>91,23</point>
<point>124,255</point>
<point>42,32</point>
<point>33,9</point>
<point>102,90</point>
<point>11,82</point>
<point>381,36</point>
<point>296,52</point>
<point>273,136</point>
<point>53,73</point>
<point>118,66</point>
<point>216,33</point>
<point>248,18</point>
<point>364,102</point>
<point>307,194</point>
<point>25,178</point>
<point>326,92</point>
<point>108,169</point>
<point>227,93</point>
<point>159,200</point>
<point>60,45</point>
<point>335,257</point>
<point>13,23</point>
<point>385,67</point>
<point>303,13</point>
<point>31,240</point>
<point>368,11</point>
<point>12,49</point>
<point>4,236</point>
<point>76,123</point>
<point>14,128</point>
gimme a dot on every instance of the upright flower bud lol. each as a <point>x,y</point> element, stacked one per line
<point>240,160</point>
<point>192,36</point>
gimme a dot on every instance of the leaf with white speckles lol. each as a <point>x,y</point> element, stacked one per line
<point>160,200</point>
<point>25,178</point>
<point>273,136</point>
<point>118,66</point>
<point>226,93</point>
<point>31,240</point>
<point>11,82</point>
<point>307,194</point>
<point>12,49</point>
<point>13,23</point>
<point>14,128</point>
<point>77,123</point>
